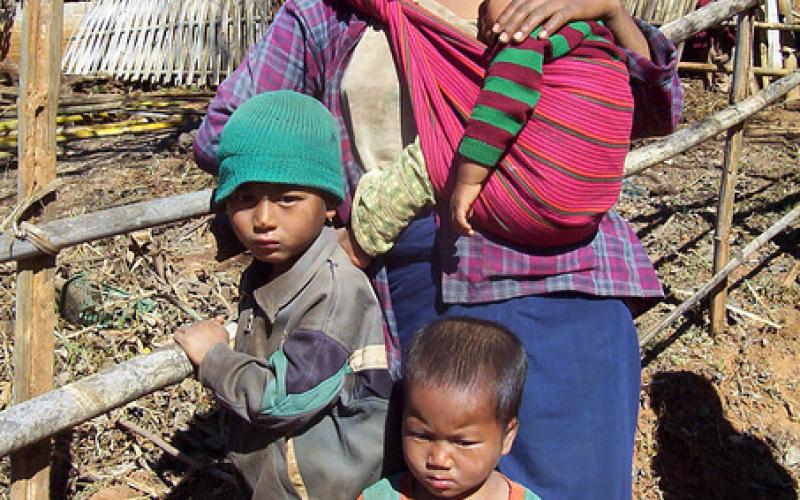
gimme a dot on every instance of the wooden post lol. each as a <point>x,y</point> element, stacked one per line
<point>733,149</point>
<point>793,98</point>
<point>40,71</point>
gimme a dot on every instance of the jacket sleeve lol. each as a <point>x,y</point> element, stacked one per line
<point>656,87</point>
<point>287,57</point>
<point>285,391</point>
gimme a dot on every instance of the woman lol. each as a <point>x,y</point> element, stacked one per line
<point>569,307</point>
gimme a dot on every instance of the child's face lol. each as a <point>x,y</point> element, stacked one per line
<point>452,441</point>
<point>276,222</point>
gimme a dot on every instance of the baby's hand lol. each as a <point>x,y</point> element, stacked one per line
<point>469,183</point>
<point>198,338</point>
<point>349,243</point>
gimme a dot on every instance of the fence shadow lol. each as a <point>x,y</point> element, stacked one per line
<point>700,455</point>
<point>203,439</point>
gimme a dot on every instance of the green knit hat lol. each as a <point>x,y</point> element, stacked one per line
<point>280,137</point>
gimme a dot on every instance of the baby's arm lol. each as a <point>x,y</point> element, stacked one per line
<point>387,200</point>
<point>511,89</point>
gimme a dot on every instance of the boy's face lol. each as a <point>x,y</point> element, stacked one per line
<point>276,222</point>
<point>452,441</point>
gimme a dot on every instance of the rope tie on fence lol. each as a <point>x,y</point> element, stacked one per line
<point>27,231</point>
<point>35,236</point>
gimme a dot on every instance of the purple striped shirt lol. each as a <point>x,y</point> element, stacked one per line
<point>307,48</point>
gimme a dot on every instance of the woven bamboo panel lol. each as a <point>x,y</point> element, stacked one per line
<point>183,42</point>
<point>660,12</point>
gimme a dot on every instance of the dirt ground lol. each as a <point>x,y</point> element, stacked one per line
<point>719,415</point>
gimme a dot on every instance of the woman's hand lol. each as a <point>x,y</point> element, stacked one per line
<point>198,338</point>
<point>521,17</point>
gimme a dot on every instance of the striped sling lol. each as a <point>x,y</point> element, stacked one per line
<point>557,137</point>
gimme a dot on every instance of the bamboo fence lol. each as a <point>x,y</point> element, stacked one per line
<point>183,42</point>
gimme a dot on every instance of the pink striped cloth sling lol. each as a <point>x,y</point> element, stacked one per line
<point>563,171</point>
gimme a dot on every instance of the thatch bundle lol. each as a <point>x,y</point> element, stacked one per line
<point>184,42</point>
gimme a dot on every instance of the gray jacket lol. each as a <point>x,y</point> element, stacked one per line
<point>308,382</point>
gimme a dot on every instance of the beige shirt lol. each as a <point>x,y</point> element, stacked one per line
<point>377,108</point>
<point>379,115</point>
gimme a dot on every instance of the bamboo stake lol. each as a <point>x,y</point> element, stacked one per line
<point>718,278</point>
<point>29,422</point>
<point>645,157</point>
<point>730,167</point>
<point>774,56</point>
<point>793,99</point>
<point>40,71</point>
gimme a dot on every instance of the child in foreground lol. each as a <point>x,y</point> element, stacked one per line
<point>462,384</point>
<point>307,384</point>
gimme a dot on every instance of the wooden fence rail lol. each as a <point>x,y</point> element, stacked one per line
<point>35,419</point>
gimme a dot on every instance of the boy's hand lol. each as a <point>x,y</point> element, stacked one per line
<point>469,183</point>
<point>198,338</point>
<point>348,241</point>
<point>521,17</point>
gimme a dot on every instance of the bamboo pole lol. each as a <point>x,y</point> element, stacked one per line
<point>716,68</point>
<point>710,15</point>
<point>761,25</point>
<point>645,157</point>
<point>38,418</point>
<point>723,274</point>
<point>730,167</point>
<point>774,56</point>
<point>110,222</point>
<point>40,64</point>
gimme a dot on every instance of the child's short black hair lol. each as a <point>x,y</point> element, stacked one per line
<point>468,353</point>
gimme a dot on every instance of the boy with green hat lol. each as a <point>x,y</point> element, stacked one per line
<point>308,383</point>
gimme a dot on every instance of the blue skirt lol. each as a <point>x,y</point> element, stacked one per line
<point>580,406</point>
